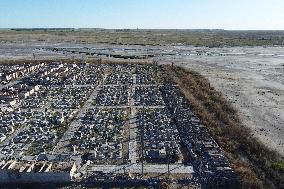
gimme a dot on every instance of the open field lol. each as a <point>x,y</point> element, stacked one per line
<point>253,84</point>
<point>210,38</point>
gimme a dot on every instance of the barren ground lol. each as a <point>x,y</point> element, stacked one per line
<point>255,86</point>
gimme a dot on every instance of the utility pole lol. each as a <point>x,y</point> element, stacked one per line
<point>168,162</point>
<point>100,61</point>
<point>173,64</point>
<point>142,144</point>
<point>155,64</point>
<point>82,59</point>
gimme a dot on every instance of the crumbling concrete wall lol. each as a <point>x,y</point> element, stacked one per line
<point>11,176</point>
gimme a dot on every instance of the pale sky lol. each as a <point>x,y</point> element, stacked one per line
<point>149,14</point>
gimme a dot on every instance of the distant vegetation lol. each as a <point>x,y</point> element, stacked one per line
<point>255,164</point>
<point>209,38</point>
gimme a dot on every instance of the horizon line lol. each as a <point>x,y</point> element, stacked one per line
<point>78,28</point>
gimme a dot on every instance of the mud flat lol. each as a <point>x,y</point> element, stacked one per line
<point>253,83</point>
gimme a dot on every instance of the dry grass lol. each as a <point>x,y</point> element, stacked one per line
<point>210,38</point>
<point>251,160</point>
<point>69,61</point>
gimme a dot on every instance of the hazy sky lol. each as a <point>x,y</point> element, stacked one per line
<point>181,14</point>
